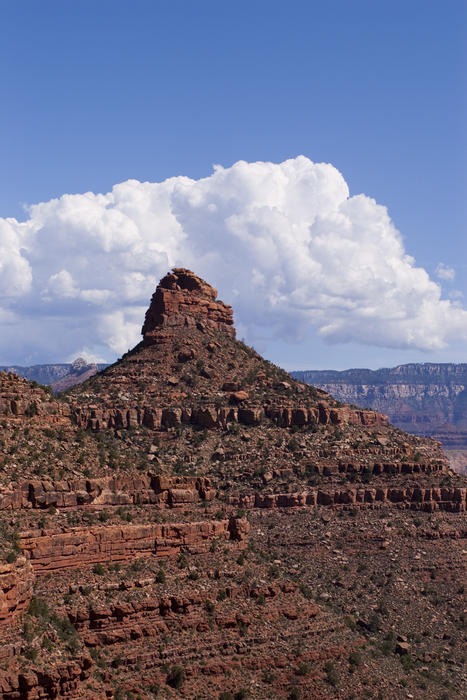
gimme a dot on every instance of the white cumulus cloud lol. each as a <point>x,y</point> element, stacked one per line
<point>284,243</point>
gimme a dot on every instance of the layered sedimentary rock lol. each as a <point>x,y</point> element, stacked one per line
<point>98,418</point>
<point>426,399</point>
<point>104,625</point>
<point>165,492</point>
<point>20,399</point>
<point>428,500</point>
<point>54,551</point>
<point>16,582</point>
<point>183,299</point>
<point>198,523</point>
<point>64,680</point>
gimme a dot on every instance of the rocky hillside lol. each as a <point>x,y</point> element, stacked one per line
<point>194,522</point>
<point>426,399</point>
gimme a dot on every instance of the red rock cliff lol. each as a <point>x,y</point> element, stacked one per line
<point>183,299</point>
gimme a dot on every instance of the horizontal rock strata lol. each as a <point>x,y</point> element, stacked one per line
<point>183,299</point>
<point>107,624</point>
<point>103,417</point>
<point>170,492</point>
<point>54,551</point>
<point>427,499</point>
<point>166,492</point>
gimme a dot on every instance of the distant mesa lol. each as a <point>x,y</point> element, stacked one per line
<point>184,299</point>
<point>80,371</point>
<point>427,399</point>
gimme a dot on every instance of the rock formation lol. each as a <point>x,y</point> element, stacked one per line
<point>183,299</point>
<point>195,522</point>
<point>425,399</point>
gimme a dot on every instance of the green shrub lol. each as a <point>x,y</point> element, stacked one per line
<point>38,608</point>
<point>274,571</point>
<point>182,561</point>
<point>407,662</point>
<point>295,694</point>
<point>47,644</point>
<point>387,647</point>
<point>355,659</point>
<point>31,409</point>
<point>292,445</point>
<point>160,576</point>
<point>306,591</point>
<point>303,669</point>
<point>31,653</point>
<point>66,631</point>
<point>332,677</point>
<point>176,677</point>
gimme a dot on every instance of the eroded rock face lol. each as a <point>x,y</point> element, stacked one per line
<point>184,299</point>
<point>142,489</point>
<point>16,583</point>
<point>63,681</point>
<point>21,399</point>
<point>83,546</point>
<point>428,500</point>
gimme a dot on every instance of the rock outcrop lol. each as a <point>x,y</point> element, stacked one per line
<point>183,299</point>
<point>55,551</point>
<point>141,489</point>
<point>16,583</point>
<point>211,416</point>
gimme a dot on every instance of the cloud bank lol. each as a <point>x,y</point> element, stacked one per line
<point>284,243</point>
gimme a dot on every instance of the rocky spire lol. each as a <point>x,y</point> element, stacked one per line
<point>184,299</point>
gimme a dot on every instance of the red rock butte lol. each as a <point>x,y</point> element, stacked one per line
<point>194,522</point>
<point>184,299</point>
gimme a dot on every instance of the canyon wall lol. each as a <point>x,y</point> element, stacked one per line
<point>426,399</point>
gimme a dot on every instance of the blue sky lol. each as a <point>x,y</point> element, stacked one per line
<point>96,93</point>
